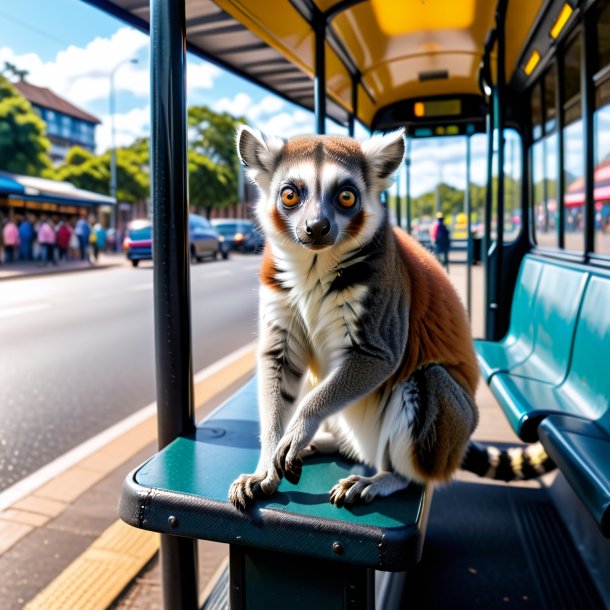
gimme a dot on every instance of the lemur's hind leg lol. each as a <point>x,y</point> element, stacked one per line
<point>445,417</point>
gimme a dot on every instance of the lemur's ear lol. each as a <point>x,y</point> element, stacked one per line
<point>384,154</point>
<point>257,151</point>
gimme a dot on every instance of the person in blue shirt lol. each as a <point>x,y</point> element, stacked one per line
<point>442,241</point>
<point>26,238</point>
<point>83,230</point>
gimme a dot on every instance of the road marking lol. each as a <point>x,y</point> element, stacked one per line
<point>60,465</point>
<point>16,311</point>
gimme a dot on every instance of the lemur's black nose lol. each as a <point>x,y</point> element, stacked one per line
<point>317,228</point>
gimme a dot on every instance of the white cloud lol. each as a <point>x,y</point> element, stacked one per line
<point>128,126</point>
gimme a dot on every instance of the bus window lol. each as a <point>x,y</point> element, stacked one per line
<point>512,185</point>
<point>602,134</point>
<point>573,149</point>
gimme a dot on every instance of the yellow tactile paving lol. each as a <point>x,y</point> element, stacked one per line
<point>24,516</point>
<point>10,533</point>
<point>97,577</point>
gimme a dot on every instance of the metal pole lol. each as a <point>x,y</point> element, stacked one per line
<point>354,113</point>
<point>113,178</point>
<point>469,247</point>
<point>408,183</point>
<point>174,374</point>
<point>319,25</point>
<point>398,203</point>
<point>587,42</point>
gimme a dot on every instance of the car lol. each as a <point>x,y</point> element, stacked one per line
<point>239,234</point>
<point>204,240</point>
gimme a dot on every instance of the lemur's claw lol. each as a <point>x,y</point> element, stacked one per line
<point>293,471</point>
<point>245,489</point>
<point>290,468</point>
<point>351,490</point>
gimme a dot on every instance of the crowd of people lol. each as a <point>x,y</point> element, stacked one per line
<point>51,240</point>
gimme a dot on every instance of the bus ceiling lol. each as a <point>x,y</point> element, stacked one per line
<point>378,53</point>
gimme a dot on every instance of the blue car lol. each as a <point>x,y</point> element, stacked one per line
<point>204,240</point>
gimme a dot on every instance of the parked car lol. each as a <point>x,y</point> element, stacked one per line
<point>204,240</point>
<point>239,234</point>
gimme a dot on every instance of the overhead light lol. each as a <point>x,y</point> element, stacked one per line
<point>562,19</point>
<point>419,109</point>
<point>532,62</point>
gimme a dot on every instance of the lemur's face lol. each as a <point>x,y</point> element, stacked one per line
<point>318,191</point>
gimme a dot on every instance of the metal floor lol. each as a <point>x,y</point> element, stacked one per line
<point>498,547</point>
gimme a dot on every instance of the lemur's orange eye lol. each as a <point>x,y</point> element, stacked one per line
<point>290,197</point>
<point>347,198</point>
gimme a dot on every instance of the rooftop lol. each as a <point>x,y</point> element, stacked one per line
<point>41,96</point>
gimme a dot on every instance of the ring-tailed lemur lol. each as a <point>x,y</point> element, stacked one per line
<point>363,343</point>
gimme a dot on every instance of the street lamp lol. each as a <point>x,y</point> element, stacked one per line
<point>113,177</point>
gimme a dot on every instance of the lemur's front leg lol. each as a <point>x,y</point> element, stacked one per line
<point>358,375</point>
<point>281,365</point>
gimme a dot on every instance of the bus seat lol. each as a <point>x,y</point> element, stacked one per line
<point>183,491</point>
<point>517,345</point>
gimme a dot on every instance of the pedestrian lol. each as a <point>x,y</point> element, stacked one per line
<point>46,239</point>
<point>10,234</point>
<point>26,236</point>
<point>442,241</point>
<point>83,231</point>
<point>1,238</point>
<point>74,247</point>
<point>63,237</point>
<point>93,242</point>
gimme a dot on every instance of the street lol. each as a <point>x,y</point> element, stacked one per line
<point>77,351</point>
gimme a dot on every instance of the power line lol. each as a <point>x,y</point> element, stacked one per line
<point>33,28</point>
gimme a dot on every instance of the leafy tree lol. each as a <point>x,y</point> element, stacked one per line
<point>23,143</point>
<point>210,185</point>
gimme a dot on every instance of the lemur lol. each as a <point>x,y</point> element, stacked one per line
<point>364,345</point>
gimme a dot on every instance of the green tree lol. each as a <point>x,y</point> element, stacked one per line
<point>213,161</point>
<point>23,143</point>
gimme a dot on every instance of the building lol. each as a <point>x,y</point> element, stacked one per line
<point>67,125</point>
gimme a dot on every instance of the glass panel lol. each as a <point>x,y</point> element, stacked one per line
<point>536,104</point>
<point>550,86</point>
<point>544,175</point>
<point>573,153</point>
<point>512,185</point>
<point>601,126</point>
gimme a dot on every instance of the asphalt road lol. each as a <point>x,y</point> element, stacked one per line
<point>77,351</point>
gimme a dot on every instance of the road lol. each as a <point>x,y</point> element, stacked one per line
<point>77,351</point>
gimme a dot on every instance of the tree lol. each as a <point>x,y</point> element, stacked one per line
<point>213,160</point>
<point>23,143</point>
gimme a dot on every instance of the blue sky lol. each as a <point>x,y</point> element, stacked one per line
<point>71,47</point>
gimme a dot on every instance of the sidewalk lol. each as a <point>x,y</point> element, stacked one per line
<point>18,270</point>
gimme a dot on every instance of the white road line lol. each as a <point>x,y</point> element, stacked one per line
<point>16,311</point>
<point>53,469</point>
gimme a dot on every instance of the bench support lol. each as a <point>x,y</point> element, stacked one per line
<point>275,581</point>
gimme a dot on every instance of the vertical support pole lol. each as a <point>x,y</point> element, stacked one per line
<point>561,181</point>
<point>587,62</point>
<point>486,246</point>
<point>469,245</point>
<point>500,118</point>
<point>173,360</point>
<point>408,183</point>
<point>319,26</point>
<point>398,203</point>
<point>354,113</point>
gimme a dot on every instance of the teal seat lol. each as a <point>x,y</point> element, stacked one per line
<point>517,345</point>
<point>183,491</point>
<point>585,391</point>
<point>581,449</point>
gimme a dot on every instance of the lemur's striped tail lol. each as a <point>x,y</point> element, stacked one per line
<point>512,464</point>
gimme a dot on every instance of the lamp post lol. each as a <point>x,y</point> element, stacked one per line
<point>113,176</point>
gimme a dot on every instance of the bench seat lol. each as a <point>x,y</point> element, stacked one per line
<point>543,317</point>
<point>581,449</point>
<point>183,491</point>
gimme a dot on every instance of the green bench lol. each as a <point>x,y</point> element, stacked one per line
<point>560,392</point>
<point>183,489</point>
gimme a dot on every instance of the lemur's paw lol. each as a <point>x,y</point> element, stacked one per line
<point>248,487</point>
<point>287,460</point>
<point>353,489</point>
